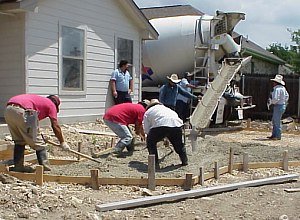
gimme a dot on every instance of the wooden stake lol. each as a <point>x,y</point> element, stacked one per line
<point>39,173</point>
<point>94,179</point>
<point>151,172</point>
<point>245,162</point>
<point>188,185</point>
<point>112,142</point>
<point>201,176</point>
<point>230,165</point>
<point>79,149</point>
<point>285,162</point>
<point>216,170</point>
<point>249,123</point>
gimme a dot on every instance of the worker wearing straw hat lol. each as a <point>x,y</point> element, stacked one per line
<point>279,100</point>
<point>168,93</point>
<point>161,122</point>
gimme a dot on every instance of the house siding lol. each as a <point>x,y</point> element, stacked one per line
<point>12,75</point>
<point>103,21</point>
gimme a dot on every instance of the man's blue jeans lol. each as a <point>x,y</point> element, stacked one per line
<point>278,111</point>
<point>123,133</point>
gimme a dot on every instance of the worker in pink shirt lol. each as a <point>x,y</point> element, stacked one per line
<point>118,117</point>
<point>22,115</point>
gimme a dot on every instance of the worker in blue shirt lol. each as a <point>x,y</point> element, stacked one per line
<point>168,93</point>
<point>121,83</point>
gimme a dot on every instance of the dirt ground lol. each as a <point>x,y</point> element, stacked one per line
<point>22,199</point>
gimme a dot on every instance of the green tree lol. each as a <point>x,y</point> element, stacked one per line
<point>289,54</point>
<point>295,50</point>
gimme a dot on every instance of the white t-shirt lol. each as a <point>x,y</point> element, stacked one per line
<point>161,116</point>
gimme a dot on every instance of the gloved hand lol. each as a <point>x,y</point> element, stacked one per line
<point>199,98</point>
<point>65,146</point>
<point>269,103</point>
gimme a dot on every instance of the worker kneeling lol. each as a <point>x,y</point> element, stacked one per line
<point>160,122</point>
<point>22,115</point>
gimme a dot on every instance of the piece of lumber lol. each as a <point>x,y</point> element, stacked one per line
<point>83,131</point>
<point>230,164</point>
<point>249,123</point>
<point>95,179</point>
<point>292,190</point>
<point>79,146</point>
<point>267,130</point>
<point>188,185</point>
<point>54,161</point>
<point>193,193</point>
<point>75,152</point>
<point>30,157</point>
<point>285,161</point>
<point>216,170</point>
<point>39,174</point>
<point>6,151</point>
<point>201,176</point>
<point>151,172</point>
<point>257,165</point>
<point>245,162</point>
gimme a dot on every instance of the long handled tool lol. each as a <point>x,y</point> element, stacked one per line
<point>74,152</point>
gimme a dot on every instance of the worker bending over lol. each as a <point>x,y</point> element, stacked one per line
<point>22,115</point>
<point>119,117</point>
<point>160,122</point>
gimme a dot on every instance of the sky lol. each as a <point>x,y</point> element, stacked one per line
<point>267,21</point>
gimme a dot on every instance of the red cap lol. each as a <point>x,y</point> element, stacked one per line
<point>55,100</point>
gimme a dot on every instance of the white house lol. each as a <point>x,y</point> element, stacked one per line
<point>69,48</point>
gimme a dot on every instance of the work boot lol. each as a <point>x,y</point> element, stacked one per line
<point>130,147</point>
<point>117,151</point>
<point>19,151</point>
<point>42,158</point>
<point>183,157</point>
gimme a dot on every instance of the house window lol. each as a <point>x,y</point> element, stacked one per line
<point>73,51</point>
<point>125,51</point>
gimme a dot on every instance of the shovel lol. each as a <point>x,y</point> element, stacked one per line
<point>73,151</point>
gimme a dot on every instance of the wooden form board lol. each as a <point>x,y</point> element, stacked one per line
<point>267,130</point>
<point>83,131</point>
<point>134,181</point>
<point>193,193</point>
<point>6,151</point>
<point>239,166</point>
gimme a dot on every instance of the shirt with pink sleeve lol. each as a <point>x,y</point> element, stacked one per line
<point>44,106</point>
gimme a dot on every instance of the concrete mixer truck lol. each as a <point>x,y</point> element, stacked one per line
<point>202,45</point>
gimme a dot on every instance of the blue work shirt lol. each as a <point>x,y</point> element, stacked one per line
<point>168,94</point>
<point>279,95</point>
<point>122,80</point>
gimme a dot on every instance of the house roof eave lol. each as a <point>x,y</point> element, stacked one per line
<point>149,32</point>
<point>261,56</point>
<point>18,6</point>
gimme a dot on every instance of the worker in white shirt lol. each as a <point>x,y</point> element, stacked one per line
<point>279,100</point>
<point>160,122</point>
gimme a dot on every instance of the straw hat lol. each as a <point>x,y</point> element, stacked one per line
<point>146,102</point>
<point>152,103</point>
<point>279,79</point>
<point>174,78</point>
